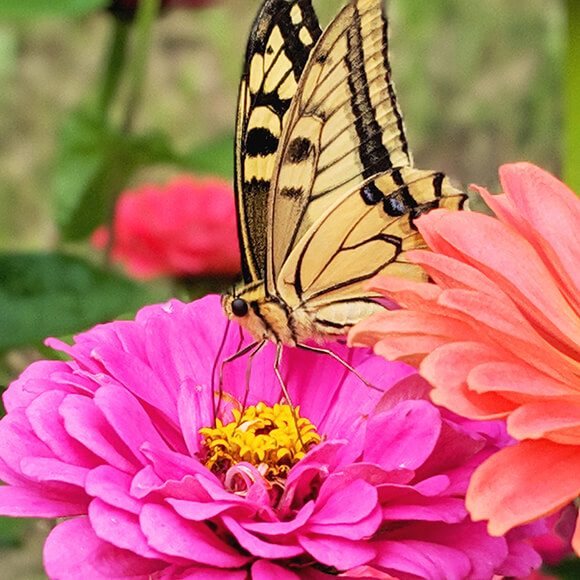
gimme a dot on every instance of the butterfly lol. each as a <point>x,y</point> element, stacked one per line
<point>326,190</point>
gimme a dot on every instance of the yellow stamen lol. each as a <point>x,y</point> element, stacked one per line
<point>263,436</point>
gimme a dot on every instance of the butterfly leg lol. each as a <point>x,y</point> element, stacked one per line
<point>251,356</point>
<point>254,345</point>
<point>340,360</point>
<point>277,361</point>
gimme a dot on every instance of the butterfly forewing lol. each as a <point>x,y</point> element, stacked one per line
<point>343,126</point>
<point>327,194</point>
<point>282,36</point>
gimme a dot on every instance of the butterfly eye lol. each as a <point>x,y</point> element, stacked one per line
<point>239,307</point>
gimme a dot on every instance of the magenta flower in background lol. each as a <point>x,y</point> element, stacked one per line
<point>187,228</point>
<point>112,441</point>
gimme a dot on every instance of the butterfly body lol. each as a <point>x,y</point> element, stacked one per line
<point>325,187</point>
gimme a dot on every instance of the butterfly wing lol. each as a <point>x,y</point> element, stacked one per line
<point>344,125</point>
<point>280,41</point>
<point>363,234</point>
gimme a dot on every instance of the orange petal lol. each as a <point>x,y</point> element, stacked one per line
<point>522,483</point>
<point>509,260</point>
<point>447,369</point>
<point>546,212</point>
<point>398,289</point>
<point>501,323</point>
<point>518,381</point>
<point>408,322</point>
<point>451,273</point>
<point>408,348</point>
<point>558,421</point>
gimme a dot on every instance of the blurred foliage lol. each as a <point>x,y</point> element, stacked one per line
<point>479,83</point>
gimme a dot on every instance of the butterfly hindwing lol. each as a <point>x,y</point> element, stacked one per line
<point>364,234</point>
<point>282,36</point>
<point>344,125</point>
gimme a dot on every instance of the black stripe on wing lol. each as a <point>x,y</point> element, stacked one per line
<point>278,48</point>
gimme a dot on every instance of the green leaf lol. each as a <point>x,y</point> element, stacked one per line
<point>36,8</point>
<point>84,186</point>
<point>54,294</point>
<point>12,531</point>
<point>95,163</point>
<point>215,157</point>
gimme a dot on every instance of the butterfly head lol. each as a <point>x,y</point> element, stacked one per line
<point>242,304</point>
<point>262,317</point>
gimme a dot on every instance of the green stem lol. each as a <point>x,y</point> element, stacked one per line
<point>147,12</point>
<point>571,161</point>
<point>113,67</point>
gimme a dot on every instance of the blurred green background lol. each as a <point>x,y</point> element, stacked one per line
<point>479,84</point>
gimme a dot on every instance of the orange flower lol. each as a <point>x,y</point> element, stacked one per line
<point>498,336</point>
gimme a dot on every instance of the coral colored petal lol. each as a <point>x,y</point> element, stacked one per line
<point>549,206</point>
<point>450,273</point>
<point>447,370</point>
<point>409,322</point>
<point>517,380</point>
<point>522,483</point>
<point>510,261</point>
<point>558,421</point>
<point>390,285</point>
<point>409,350</point>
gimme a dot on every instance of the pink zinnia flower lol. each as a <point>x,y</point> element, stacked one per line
<point>498,336</point>
<point>113,438</point>
<point>186,228</point>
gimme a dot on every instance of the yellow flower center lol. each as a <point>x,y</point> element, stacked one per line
<point>263,436</point>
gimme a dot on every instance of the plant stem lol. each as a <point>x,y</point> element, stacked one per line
<point>147,12</point>
<point>113,67</point>
<point>571,156</point>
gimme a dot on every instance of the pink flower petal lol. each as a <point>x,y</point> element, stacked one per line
<point>259,547</point>
<point>264,570</point>
<point>28,502</point>
<point>96,559</point>
<point>86,424</point>
<point>404,437</point>
<point>168,533</point>
<point>338,552</point>
<point>120,528</point>
<point>113,487</point>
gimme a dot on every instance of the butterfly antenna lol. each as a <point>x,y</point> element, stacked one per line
<point>213,372</point>
<point>341,361</point>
